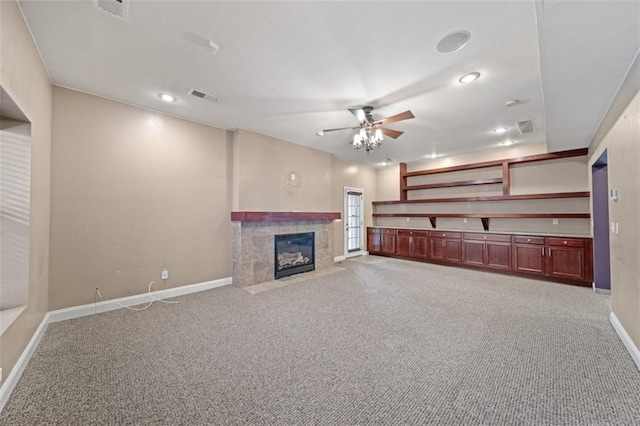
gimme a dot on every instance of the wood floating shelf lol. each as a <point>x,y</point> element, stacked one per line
<point>484,217</point>
<point>583,194</point>
<point>250,216</point>
<point>459,183</point>
<point>504,164</point>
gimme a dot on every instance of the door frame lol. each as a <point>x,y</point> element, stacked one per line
<point>345,209</point>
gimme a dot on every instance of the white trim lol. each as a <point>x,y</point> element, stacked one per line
<point>628,343</point>
<point>345,213</point>
<point>339,259</point>
<point>138,299</point>
<point>90,309</point>
<point>16,372</point>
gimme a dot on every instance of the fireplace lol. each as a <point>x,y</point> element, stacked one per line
<point>294,253</point>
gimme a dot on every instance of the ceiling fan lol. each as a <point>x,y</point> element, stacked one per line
<point>371,131</point>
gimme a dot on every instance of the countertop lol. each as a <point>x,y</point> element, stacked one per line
<point>475,231</point>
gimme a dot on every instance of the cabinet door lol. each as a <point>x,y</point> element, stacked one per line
<point>373,242</point>
<point>403,245</point>
<point>473,253</point>
<point>529,258</point>
<point>388,244</point>
<point>498,255</point>
<point>566,262</point>
<point>420,247</point>
<point>452,250</point>
<point>436,248</point>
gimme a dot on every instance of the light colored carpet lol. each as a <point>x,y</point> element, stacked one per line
<point>385,341</point>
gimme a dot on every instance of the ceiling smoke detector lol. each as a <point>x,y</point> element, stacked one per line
<point>119,8</point>
<point>202,95</point>
<point>525,126</point>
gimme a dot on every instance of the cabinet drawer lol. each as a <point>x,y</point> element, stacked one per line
<point>373,230</point>
<point>445,234</point>
<point>488,237</point>
<point>390,231</point>
<point>410,233</point>
<point>566,242</point>
<point>523,239</point>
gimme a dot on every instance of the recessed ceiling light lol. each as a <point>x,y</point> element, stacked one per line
<point>468,78</point>
<point>453,42</point>
<point>507,143</point>
<point>167,98</point>
<point>320,133</point>
<point>384,163</point>
<point>431,156</point>
<point>500,130</point>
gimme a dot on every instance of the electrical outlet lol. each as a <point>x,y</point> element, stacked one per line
<point>165,274</point>
<point>464,220</point>
<point>555,221</point>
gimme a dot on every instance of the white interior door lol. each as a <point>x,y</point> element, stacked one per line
<point>354,223</point>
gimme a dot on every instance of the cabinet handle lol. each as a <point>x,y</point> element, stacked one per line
<point>485,238</point>
<point>565,242</point>
<point>542,251</point>
<point>529,240</point>
<point>549,251</point>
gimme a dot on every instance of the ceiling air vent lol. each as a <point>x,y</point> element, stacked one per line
<point>205,96</point>
<point>118,8</point>
<point>525,126</point>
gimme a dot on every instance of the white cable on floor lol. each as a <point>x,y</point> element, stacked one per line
<point>153,299</point>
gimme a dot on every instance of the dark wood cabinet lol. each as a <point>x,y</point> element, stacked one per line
<point>489,251</point>
<point>412,244</point>
<point>374,243</point>
<point>563,259</point>
<point>388,241</point>
<point>445,246</point>
<point>529,255</point>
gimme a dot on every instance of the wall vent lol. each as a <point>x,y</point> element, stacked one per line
<point>205,96</point>
<point>118,8</point>
<point>525,126</point>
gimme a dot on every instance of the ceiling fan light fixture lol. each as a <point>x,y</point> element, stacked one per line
<point>508,143</point>
<point>378,135</point>
<point>500,130</point>
<point>468,78</point>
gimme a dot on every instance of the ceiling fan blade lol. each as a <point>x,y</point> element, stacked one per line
<point>391,133</point>
<point>359,113</point>
<point>340,128</point>
<point>398,117</point>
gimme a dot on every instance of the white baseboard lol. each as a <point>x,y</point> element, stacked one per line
<point>14,376</point>
<point>90,309</point>
<point>628,343</point>
<point>138,299</point>
<point>339,259</point>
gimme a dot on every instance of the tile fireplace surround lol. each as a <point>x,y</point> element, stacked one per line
<point>253,241</point>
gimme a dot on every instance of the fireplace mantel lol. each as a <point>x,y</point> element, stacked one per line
<point>250,216</point>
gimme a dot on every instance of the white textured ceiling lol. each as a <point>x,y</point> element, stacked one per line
<point>289,69</point>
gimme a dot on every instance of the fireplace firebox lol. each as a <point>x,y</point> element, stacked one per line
<point>294,254</point>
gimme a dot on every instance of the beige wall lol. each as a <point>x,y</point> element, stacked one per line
<point>622,144</point>
<point>24,78</point>
<point>563,175</point>
<point>261,165</point>
<point>134,191</point>
<point>353,176</point>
